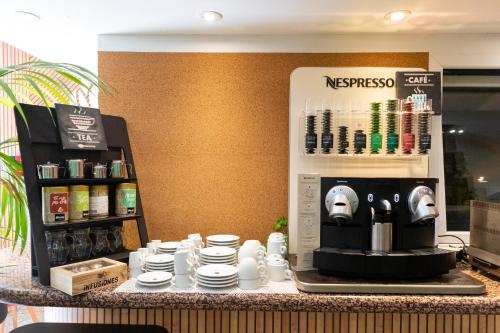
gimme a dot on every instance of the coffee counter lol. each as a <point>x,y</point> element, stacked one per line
<point>17,286</point>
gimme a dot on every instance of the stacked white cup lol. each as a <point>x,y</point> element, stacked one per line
<point>254,250</point>
<point>144,251</point>
<point>251,274</point>
<point>276,244</point>
<point>135,263</point>
<point>189,245</point>
<point>152,246</point>
<point>278,268</point>
<point>197,240</point>
<point>184,268</point>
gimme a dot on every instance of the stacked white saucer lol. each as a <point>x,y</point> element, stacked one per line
<point>154,279</point>
<point>217,276</point>
<point>159,262</point>
<point>167,247</point>
<point>224,240</point>
<point>218,255</point>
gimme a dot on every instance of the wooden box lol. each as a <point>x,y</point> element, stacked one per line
<point>82,277</point>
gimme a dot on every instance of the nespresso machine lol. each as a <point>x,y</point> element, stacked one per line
<point>380,228</point>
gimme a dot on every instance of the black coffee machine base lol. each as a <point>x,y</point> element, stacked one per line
<point>411,264</point>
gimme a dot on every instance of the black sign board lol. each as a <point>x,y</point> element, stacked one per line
<point>80,128</point>
<point>428,83</point>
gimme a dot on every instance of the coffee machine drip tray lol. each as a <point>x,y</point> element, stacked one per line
<point>453,283</point>
<point>403,264</point>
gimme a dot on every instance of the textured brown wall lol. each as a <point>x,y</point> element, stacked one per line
<point>209,133</point>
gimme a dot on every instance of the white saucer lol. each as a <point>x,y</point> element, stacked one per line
<point>159,259</point>
<point>219,281</point>
<point>223,238</point>
<point>168,264</point>
<point>217,251</point>
<point>169,245</point>
<point>217,271</point>
<point>154,277</point>
<point>232,263</point>
<point>207,285</point>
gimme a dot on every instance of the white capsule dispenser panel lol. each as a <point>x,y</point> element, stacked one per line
<point>346,121</point>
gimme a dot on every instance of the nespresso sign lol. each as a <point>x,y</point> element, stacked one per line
<point>358,82</point>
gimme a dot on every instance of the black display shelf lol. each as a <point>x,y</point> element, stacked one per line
<point>120,256</point>
<point>84,181</point>
<point>91,222</point>
<point>42,143</point>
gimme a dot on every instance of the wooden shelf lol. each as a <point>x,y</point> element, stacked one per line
<point>91,222</point>
<point>84,181</point>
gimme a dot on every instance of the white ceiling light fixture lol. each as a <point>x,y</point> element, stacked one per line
<point>397,15</point>
<point>27,16</point>
<point>211,16</point>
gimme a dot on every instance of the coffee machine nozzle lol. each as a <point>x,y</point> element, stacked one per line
<point>381,240</point>
<point>341,202</point>
<point>422,204</point>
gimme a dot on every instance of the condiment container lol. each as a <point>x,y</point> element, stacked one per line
<point>118,169</point>
<point>82,277</point>
<point>55,204</point>
<point>126,194</point>
<point>78,202</point>
<point>99,201</point>
<point>100,171</point>
<point>48,170</point>
<point>76,168</point>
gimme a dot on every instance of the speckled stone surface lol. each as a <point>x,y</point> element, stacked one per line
<point>17,286</point>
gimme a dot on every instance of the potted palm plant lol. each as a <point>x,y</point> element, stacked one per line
<point>43,83</point>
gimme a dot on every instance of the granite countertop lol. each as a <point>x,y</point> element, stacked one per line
<point>18,286</point>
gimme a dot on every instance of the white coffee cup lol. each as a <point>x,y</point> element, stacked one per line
<point>152,247</point>
<point>273,256</point>
<point>276,259</point>
<point>258,254</point>
<point>183,263</point>
<point>197,240</point>
<point>135,260</point>
<point>144,251</point>
<point>277,247</point>
<point>253,243</point>
<point>278,273</point>
<point>251,284</point>
<point>183,280</point>
<point>250,269</point>
<point>276,236</point>
<point>133,273</point>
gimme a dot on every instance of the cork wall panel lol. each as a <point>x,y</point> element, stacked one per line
<point>209,132</point>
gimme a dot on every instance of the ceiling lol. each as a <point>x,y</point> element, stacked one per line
<point>259,16</point>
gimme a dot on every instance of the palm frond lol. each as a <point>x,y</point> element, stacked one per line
<point>43,83</point>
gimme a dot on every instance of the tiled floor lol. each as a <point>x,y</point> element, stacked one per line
<point>23,318</point>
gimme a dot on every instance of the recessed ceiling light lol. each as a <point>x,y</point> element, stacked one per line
<point>211,16</point>
<point>460,131</point>
<point>27,16</point>
<point>451,131</point>
<point>397,15</point>
<point>482,180</point>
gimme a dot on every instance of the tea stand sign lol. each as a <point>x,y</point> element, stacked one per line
<point>80,128</point>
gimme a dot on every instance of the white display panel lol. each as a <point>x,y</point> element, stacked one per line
<point>309,85</point>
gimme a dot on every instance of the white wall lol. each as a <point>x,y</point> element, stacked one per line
<point>448,50</point>
<point>50,40</point>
